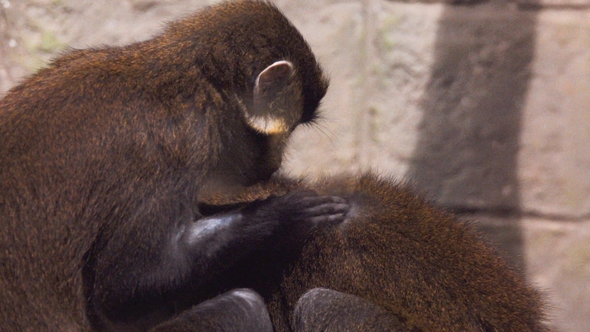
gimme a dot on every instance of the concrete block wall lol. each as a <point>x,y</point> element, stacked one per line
<point>484,104</point>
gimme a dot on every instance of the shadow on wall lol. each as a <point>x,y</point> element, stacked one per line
<point>467,151</point>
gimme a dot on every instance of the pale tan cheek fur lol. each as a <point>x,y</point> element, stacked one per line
<point>267,124</point>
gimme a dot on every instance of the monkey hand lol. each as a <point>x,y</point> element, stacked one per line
<point>316,209</point>
<point>292,218</point>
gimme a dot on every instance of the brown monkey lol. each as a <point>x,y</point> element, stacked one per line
<point>396,263</point>
<point>104,156</point>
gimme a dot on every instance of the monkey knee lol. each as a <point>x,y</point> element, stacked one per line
<point>244,310</point>
<point>315,295</point>
<point>315,310</point>
<point>320,299</point>
<point>237,310</point>
<point>250,302</point>
<point>322,309</point>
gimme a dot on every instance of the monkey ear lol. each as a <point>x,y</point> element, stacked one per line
<point>266,115</point>
<point>271,79</point>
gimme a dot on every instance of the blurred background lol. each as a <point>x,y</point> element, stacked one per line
<point>485,105</point>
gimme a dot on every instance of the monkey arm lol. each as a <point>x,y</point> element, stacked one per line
<point>219,240</point>
<point>99,177</point>
<point>135,277</point>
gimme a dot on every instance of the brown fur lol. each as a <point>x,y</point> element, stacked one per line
<point>106,151</point>
<point>430,271</point>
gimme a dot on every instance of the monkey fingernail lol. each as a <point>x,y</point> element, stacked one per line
<point>338,199</point>
<point>331,218</point>
<point>328,208</point>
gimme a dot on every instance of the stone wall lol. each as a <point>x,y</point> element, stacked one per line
<point>484,104</point>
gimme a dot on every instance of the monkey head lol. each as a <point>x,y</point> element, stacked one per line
<point>266,68</point>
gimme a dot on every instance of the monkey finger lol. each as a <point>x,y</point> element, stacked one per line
<point>327,208</point>
<point>328,218</point>
<point>317,200</point>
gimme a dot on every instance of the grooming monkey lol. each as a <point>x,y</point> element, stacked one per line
<point>396,263</point>
<point>104,156</point>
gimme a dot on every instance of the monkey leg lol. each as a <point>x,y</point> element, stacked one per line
<point>323,309</point>
<point>239,310</point>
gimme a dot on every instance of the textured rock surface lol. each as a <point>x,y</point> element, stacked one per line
<point>485,106</point>
<point>554,163</point>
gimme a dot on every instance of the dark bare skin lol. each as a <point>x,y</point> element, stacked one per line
<point>106,153</point>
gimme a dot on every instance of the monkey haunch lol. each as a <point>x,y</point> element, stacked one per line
<point>105,153</point>
<point>396,263</point>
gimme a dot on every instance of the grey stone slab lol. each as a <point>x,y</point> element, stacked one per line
<point>554,161</point>
<point>554,4</point>
<point>558,262</point>
<point>33,32</point>
<point>336,35</point>
<point>401,57</point>
<point>466,150</point>
<point>554,256</point>
<point>533,4</point>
